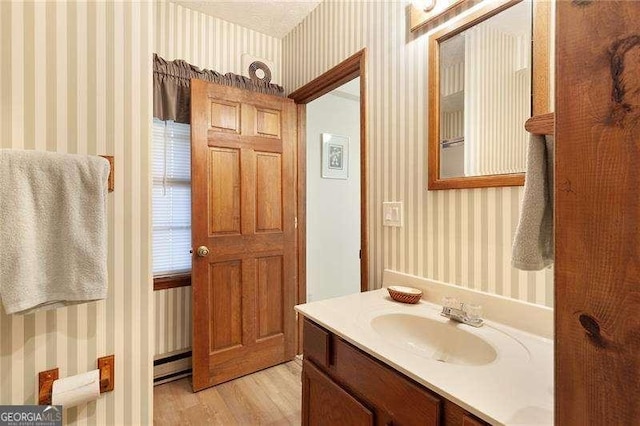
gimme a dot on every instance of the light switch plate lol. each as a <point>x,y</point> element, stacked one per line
<point>392,213</point>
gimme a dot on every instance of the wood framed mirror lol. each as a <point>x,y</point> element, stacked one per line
<point>488,73</point>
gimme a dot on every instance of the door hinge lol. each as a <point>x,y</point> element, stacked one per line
<point>295,222</point>
<point>360,254</point>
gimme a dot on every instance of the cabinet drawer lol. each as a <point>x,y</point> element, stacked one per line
<point>468,420</point>
<point>316,343</point>
<point>403,401</point>
<point>457,416</point>
<point>326,403</point>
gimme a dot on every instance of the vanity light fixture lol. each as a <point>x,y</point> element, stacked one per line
<point>423,12</point>
<point>425,5</point>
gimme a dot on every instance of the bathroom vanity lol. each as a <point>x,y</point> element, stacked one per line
<point>343,385</point>
<point>369,360</point>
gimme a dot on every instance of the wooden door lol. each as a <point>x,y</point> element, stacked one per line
<point>243,209</point>
<point>597,270</point>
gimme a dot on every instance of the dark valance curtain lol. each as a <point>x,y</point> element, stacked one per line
<point>172,87</point>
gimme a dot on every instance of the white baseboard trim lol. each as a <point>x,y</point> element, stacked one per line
<point>171,366</point>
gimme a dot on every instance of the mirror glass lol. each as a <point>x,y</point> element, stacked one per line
<point>485,95</point>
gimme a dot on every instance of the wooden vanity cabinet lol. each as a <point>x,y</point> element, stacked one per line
<point>343,385</point>
<point>326,403</point>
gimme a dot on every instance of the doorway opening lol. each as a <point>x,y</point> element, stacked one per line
<point>310,143</point>
<point>333,193</point>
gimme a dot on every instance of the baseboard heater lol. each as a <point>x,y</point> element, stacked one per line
<point>171,366</point>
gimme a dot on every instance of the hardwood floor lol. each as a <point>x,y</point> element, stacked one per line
<point>268,397</point>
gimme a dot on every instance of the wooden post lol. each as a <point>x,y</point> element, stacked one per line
<point>597,275</point>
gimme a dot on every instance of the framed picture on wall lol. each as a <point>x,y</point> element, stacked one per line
<point>335,156</point>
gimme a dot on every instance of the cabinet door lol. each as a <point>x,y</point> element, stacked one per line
<point>468,420</point>
<point>326,403</point>
<point>316,344</point>
<point>384,388</point>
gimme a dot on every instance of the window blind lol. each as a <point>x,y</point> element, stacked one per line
<point>171,197</point>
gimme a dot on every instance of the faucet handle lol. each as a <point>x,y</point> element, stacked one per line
<point>450,302</point>
<point>473,311</point>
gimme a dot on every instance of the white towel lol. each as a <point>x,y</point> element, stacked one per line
<point>53,230</point>
<point>533,243</point>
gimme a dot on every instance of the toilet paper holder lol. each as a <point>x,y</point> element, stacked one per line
<point>106,365</point>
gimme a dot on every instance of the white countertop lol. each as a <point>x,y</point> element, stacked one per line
<point>514,389</point>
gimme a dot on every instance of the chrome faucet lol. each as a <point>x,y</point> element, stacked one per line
<point>466,314</point>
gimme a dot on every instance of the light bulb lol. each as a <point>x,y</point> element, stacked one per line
<point>425,5</point>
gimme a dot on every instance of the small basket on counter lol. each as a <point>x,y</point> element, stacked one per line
<point>404,294</point>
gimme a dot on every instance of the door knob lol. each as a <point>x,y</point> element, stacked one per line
<point>203,251</point>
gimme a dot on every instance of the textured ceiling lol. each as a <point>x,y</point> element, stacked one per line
<point>272,17</point>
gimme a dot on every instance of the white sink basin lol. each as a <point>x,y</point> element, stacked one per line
<point>447,342</point>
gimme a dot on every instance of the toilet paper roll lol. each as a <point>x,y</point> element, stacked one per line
<point>76,390</point>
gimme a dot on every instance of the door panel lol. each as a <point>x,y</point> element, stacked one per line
<point>225,116</point>
<point>268,123</point>
<point>270,296</point>
<point>268,192</point>
<point>243,196</point>
<point>224,191</point>
<point>225,296</point>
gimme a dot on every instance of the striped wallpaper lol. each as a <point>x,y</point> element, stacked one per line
<point>209,42</point>
<point>76,77</point>
<point>457,236</point>
<point>172,320</point>
<point>215,44</point>
<point>452,78</point>
<point>495,139</point>
<point>451,124</point>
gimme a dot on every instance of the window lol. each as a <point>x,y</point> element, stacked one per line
<point>171,198</point>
